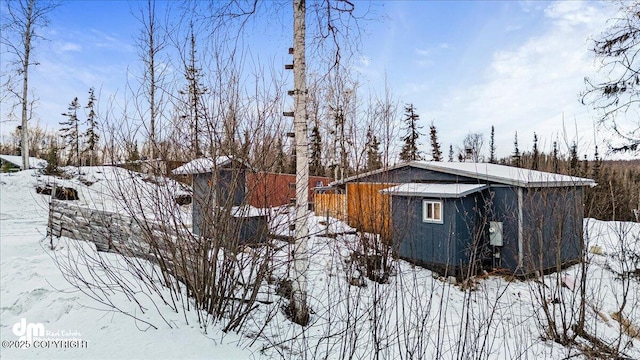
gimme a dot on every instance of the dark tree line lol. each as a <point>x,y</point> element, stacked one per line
<point>615,197</point>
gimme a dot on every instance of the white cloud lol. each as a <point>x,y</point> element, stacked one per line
<point>531,88</point>
<point>364,61</point>
<point>64,47</point>
<point>422,52</point>
<point>425,57</point>
<point>572,13</point>
<point>528,6</point>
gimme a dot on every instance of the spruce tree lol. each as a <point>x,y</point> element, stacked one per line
<point>554,158</point>
<point>194,92</point>
<point>573,159</point>
<point>436,154</point>
<point>281,158</point>
<point>410,150</point>
<point>315,161</point>
<point>374,161</point>
<point>70,132</point>
<point>516,159</point>
<point>52,161</point>
<point>597,165</point>
<point>585,167</point>
<point>535,156</point>
<point>450,153</point>
<point>92,123</point>
<point>492,147</point>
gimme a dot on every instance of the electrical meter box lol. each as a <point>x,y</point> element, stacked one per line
<point>495,233</point>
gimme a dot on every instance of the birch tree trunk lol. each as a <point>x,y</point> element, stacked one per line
<point>300,310</point>
<point>152,50</point>
<point>24,134</point>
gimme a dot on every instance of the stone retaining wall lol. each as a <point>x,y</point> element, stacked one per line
<point>109,231</point>
<point>174,250</point>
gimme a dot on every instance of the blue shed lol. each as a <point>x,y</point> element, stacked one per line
<point>457,218</point>
<point>220,208</point>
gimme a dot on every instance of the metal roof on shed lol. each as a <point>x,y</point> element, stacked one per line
<point>493,173</point>
<point>202,165</point>
<point>506,174</point>
<point>440,191</point>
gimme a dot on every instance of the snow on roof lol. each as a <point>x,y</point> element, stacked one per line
<point>440,191</point>
<point>248,211</point>
<point>506,174</point>
<point>17,161</point>
<point>202,165</point>
<point>494,173</point>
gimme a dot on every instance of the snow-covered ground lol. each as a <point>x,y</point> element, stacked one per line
<point>414,315</point>
<point>33,289</point>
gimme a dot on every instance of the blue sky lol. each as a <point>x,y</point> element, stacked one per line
<point>465,65</point>
<point>516,65</point>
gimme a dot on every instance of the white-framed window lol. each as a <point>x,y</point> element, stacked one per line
<point>432,211</point>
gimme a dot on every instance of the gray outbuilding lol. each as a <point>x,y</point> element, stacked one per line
<point>220,208</point>
<point>458,218</point>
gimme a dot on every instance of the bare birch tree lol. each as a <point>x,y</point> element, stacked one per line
<point>299,308</point>
<point>151,43</point>
<point>20,29</point>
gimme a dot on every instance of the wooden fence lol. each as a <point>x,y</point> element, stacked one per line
<point>333,205</point>
<point>362,207</point>
<point>368,210</point>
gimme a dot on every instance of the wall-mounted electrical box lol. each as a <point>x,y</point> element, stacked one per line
<point>495,233</point>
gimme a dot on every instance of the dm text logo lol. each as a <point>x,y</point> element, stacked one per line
<point>27,331</point>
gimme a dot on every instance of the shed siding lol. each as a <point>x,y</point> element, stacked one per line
<point>333,205</point>
<point>231,187</point>
<point>427,244</point>
<point>552,220</point>
<point>552,227</point>
<point>226,190</point>
<point>250,229</point>
<point>266,189</point>
<point>203,198</point>
<point>444,247</point>
<point>469,215</point>
<point>505,209</point>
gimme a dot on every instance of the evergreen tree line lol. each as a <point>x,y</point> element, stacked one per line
<point>80,145</point>
<point>617,195</point>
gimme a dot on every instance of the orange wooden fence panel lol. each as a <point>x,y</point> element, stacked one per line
<point>333,205</point>
<point>368,210</point>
